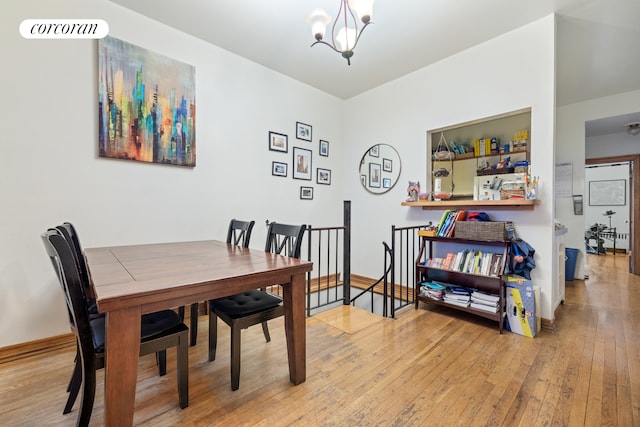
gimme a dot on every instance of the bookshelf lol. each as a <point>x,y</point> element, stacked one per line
<point>429,269</point>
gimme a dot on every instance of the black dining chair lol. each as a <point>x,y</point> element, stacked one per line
<point>239,234</point>
<point>249,308</point>
<point>159,331</point>
<point>70,234</point>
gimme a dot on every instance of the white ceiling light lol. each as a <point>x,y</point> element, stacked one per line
<point>346,39</point>
<point>633,128</point>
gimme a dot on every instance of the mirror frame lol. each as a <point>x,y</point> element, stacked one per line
<point>382,160</point>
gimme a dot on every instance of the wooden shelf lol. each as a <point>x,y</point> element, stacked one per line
<point>513,204</point>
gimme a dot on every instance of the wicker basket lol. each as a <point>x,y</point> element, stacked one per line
<point>506,194</point>
<point>492,231</point>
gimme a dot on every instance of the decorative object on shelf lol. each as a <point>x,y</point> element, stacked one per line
<point>306,193</point>
<point>412,191</point>
<point>324,148</point>
<point>278,169</point>
<point>633,128</point>
<point>138,120</point>
<point>303,131</point>
<point>278,142</point>
<point>347,37</point>
<point>443,151</point>
<point>323,176</point>
<point>379,177</point>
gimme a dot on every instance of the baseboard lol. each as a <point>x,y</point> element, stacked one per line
<point>31,348</point>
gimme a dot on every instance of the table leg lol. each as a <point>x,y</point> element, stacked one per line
<point>295,327</point>
<point>121,366</point>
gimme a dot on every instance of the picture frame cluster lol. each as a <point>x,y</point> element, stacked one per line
<point>302,159</point>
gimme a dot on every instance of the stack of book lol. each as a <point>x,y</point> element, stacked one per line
<point>448,222</point>
<point>485,302</point>
<point>457,296</point>
<point>432,290</point>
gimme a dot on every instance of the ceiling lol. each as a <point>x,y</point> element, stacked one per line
<point>597,40</point>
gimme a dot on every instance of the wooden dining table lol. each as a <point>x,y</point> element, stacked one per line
<point>129,281</point>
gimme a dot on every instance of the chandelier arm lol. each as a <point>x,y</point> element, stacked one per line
<point>359,34</point>
<point>333,27</point>
<point>325,43</point>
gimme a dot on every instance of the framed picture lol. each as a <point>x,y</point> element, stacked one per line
<point>387,165</point>
<point>323,176</point>
<point>303,131</point>
<point>278,169</point>
<point>611,192</point>
<point>374,175</point>
<point>386,182</point>
<point>301,163</point>
<point>278,142</point>
<point>374,151</point>
<point>306,193</point>
<point>324,148</point>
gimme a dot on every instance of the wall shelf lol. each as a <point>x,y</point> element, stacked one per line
<point>513,204</point>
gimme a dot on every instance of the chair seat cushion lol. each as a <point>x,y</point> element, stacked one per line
<point>245,303</point>
<point>152,324</point>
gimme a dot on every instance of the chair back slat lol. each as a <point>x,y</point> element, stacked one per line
<point>284,239</point>
<point>239,233</point>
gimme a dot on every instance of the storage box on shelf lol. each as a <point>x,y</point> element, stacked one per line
<point>488,280</point>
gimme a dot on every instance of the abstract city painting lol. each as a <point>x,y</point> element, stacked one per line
<point>146,104</point>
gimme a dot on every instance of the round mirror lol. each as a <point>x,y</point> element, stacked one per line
<point>380,168</point>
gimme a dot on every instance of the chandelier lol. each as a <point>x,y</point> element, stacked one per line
<point>348,34</point>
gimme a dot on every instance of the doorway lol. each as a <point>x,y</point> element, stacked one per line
<point>633,204</point>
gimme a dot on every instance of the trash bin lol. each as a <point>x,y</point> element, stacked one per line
<point>571,256</point>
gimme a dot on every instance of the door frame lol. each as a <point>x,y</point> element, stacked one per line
<point>634,206</point>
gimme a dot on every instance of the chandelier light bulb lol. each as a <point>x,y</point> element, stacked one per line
<point>318,19</point>
<point>362,8</point>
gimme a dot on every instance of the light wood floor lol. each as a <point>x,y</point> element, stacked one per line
<point>432,366</point>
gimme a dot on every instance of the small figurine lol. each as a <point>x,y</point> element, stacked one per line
<point>412,191</point>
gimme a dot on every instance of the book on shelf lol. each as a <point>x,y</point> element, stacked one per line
<point>480,296</point>
<point>484,307</point>
<point>456,302</point>
<point>496,265</point>
<point>448,259</point>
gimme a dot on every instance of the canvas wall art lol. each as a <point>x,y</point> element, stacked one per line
<point>146,104</point>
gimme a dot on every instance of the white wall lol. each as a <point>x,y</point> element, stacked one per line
<point>480,82</point>
<point>51,172</point>
<point>614,144</point>
<point>570,147</point>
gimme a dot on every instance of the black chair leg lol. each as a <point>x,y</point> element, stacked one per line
<point>161,357</point>
<point>213,335</point>
<point>183,370</point>
<point>194,323</point>
<point>265,329</point>
<point>74,386</point>
<point>88,394</point>
<point>76,367</point>
<point>235,356</point>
